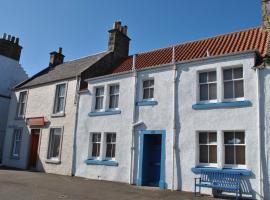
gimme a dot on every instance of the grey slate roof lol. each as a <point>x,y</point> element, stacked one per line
<point>67,70</point>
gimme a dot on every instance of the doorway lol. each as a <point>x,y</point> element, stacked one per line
<point>34,143</point>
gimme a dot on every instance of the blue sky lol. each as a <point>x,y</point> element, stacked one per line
<point>80,26</point>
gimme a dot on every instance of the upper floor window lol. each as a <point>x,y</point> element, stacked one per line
<point>54,149</point>
<point>114,96</point>
<point>208,86</point>
<point>208,147</point>
<point>234,142</point>
<point>110,145</point>
<point>17,138</point>
<point>22,104</point>
<point>59,102</point>
<point>99,98</point>
<point>233,83</point>
<point>148,89</point>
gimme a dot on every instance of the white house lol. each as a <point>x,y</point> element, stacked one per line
<point>160,117</point>
<point>11,74</point>
<point>43,109</point>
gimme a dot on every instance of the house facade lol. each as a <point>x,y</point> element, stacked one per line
<point>42,114</point>
<point>162,116</point>
<point>11,74</point>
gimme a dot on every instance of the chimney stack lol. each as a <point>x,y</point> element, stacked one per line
<point>266,15</point>
<point>56,58</point>
<point>118,40</point>
<point>9,47</point>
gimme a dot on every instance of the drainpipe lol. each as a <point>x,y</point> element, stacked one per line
<point>133,121</point>
<point>174,115</point>
<point>259,132</point>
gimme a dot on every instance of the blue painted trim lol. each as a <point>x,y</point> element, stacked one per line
<point>244,172</point>
<point>201,106</point>
<point>102,113</point>
<point>162,183</point>
<point>147,103</point>
<point>101,162</point>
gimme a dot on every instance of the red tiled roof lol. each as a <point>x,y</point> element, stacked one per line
<point>246,40</point>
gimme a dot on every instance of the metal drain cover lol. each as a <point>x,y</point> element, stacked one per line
<point>62,196</point>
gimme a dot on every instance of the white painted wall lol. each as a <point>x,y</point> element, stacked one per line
<point>40,103</point>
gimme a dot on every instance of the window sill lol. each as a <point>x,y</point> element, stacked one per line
<point>101,113</point>
<point>244,172</point>
<point>232,104</point>
<point>147,103</point>
<point>53,161</point>
<point>58,115</point>
<point>101,162</point>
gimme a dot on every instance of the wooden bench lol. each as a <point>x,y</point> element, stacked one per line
<point>219,180</point>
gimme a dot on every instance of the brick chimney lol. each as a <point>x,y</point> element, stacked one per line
<point>56,58</point>
<point>118,40</point>
<point>9,47</point>
<point>266,15</point>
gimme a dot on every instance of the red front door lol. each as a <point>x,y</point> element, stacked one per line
<point>34,148</point>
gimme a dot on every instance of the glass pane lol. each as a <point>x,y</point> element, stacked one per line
<point>61,90</point>
<point>212,138</point>
<point>229,154</point>
<point>203,77</point>
<point>99,91</point>
<point>114,137</point>
<point>203,154</point>
<point>60,104</point>
<point>109,138</point>
<point>96,150</point>
<point>238,73</point>
<point>146,94</point>
<point>21,109</point>
<point>99,103</point>
<point>227,74</point>
<point>151,83</point>
<point>239,88</point>
<point>151,93</point>
<point>203,92</point>
<point>109,151</point>
<point>96,137</point>
<point>146,83</point>
<point>212,76</point>
<point>212,91</point>
<point>228,138</point>
<point>228,90</point>
<point>202,138</point>
<point>55,145</point>
<point>240,155</point>
<point>212,154</point>
<point>239,138</point>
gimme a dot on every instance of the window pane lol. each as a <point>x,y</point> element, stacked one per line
<point>55,139</point>
<point>146,93</point>
<point>203,154</point>
<point>228,137</point>
<point>151,93</point>
<point>21,109</point>
<point>228,90</point>
<point>61,90</point>
<point>227,74</point>
<point>99,91</point>
<point>151,83</point>
<point>96,137</point>
<point>109,151</point>
<point>240,155</point>
<point>146,83</point>
<point>229,154</point>
<point>202,138</point>
<point>96,150</point>
<point>99,103</point>
<point>212,154</point>
<point>238,73</point>
<point>239,88</point>
<point>212,91</point>
<point>203,77</point>
<point>212,76</point>
<point>203,92</point>
<point>212,138</point>
<point>239,138</point>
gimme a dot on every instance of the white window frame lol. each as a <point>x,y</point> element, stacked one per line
<point>208,83</point>
<point>16,142</point>
<point>116,94</point>
<point>142,89</point>
<point>233,80</point>
<point>55,159</point>
<point>95,98</point>
<point>113,143</point>
<point>235,165</point>
<point>55,113</point>
<point>19,104</point>
<point>90,150</point>
<point>208,144</point>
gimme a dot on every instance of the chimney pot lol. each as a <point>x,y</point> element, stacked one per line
<point>117,25</point>
<point>60,50</point>
<point>9,37</point>
<point>5,36</point>
<point>56,58</point>
<point>17,40</point>
<point>12,39</point>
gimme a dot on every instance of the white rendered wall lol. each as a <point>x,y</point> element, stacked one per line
<point>40,102</point>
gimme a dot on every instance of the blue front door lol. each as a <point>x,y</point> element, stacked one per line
<point>151,160</point>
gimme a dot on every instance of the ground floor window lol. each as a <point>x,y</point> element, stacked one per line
<point>208,147</point>
<point>55,143</point>
<point>234,142</point>
<point>17,138</point>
